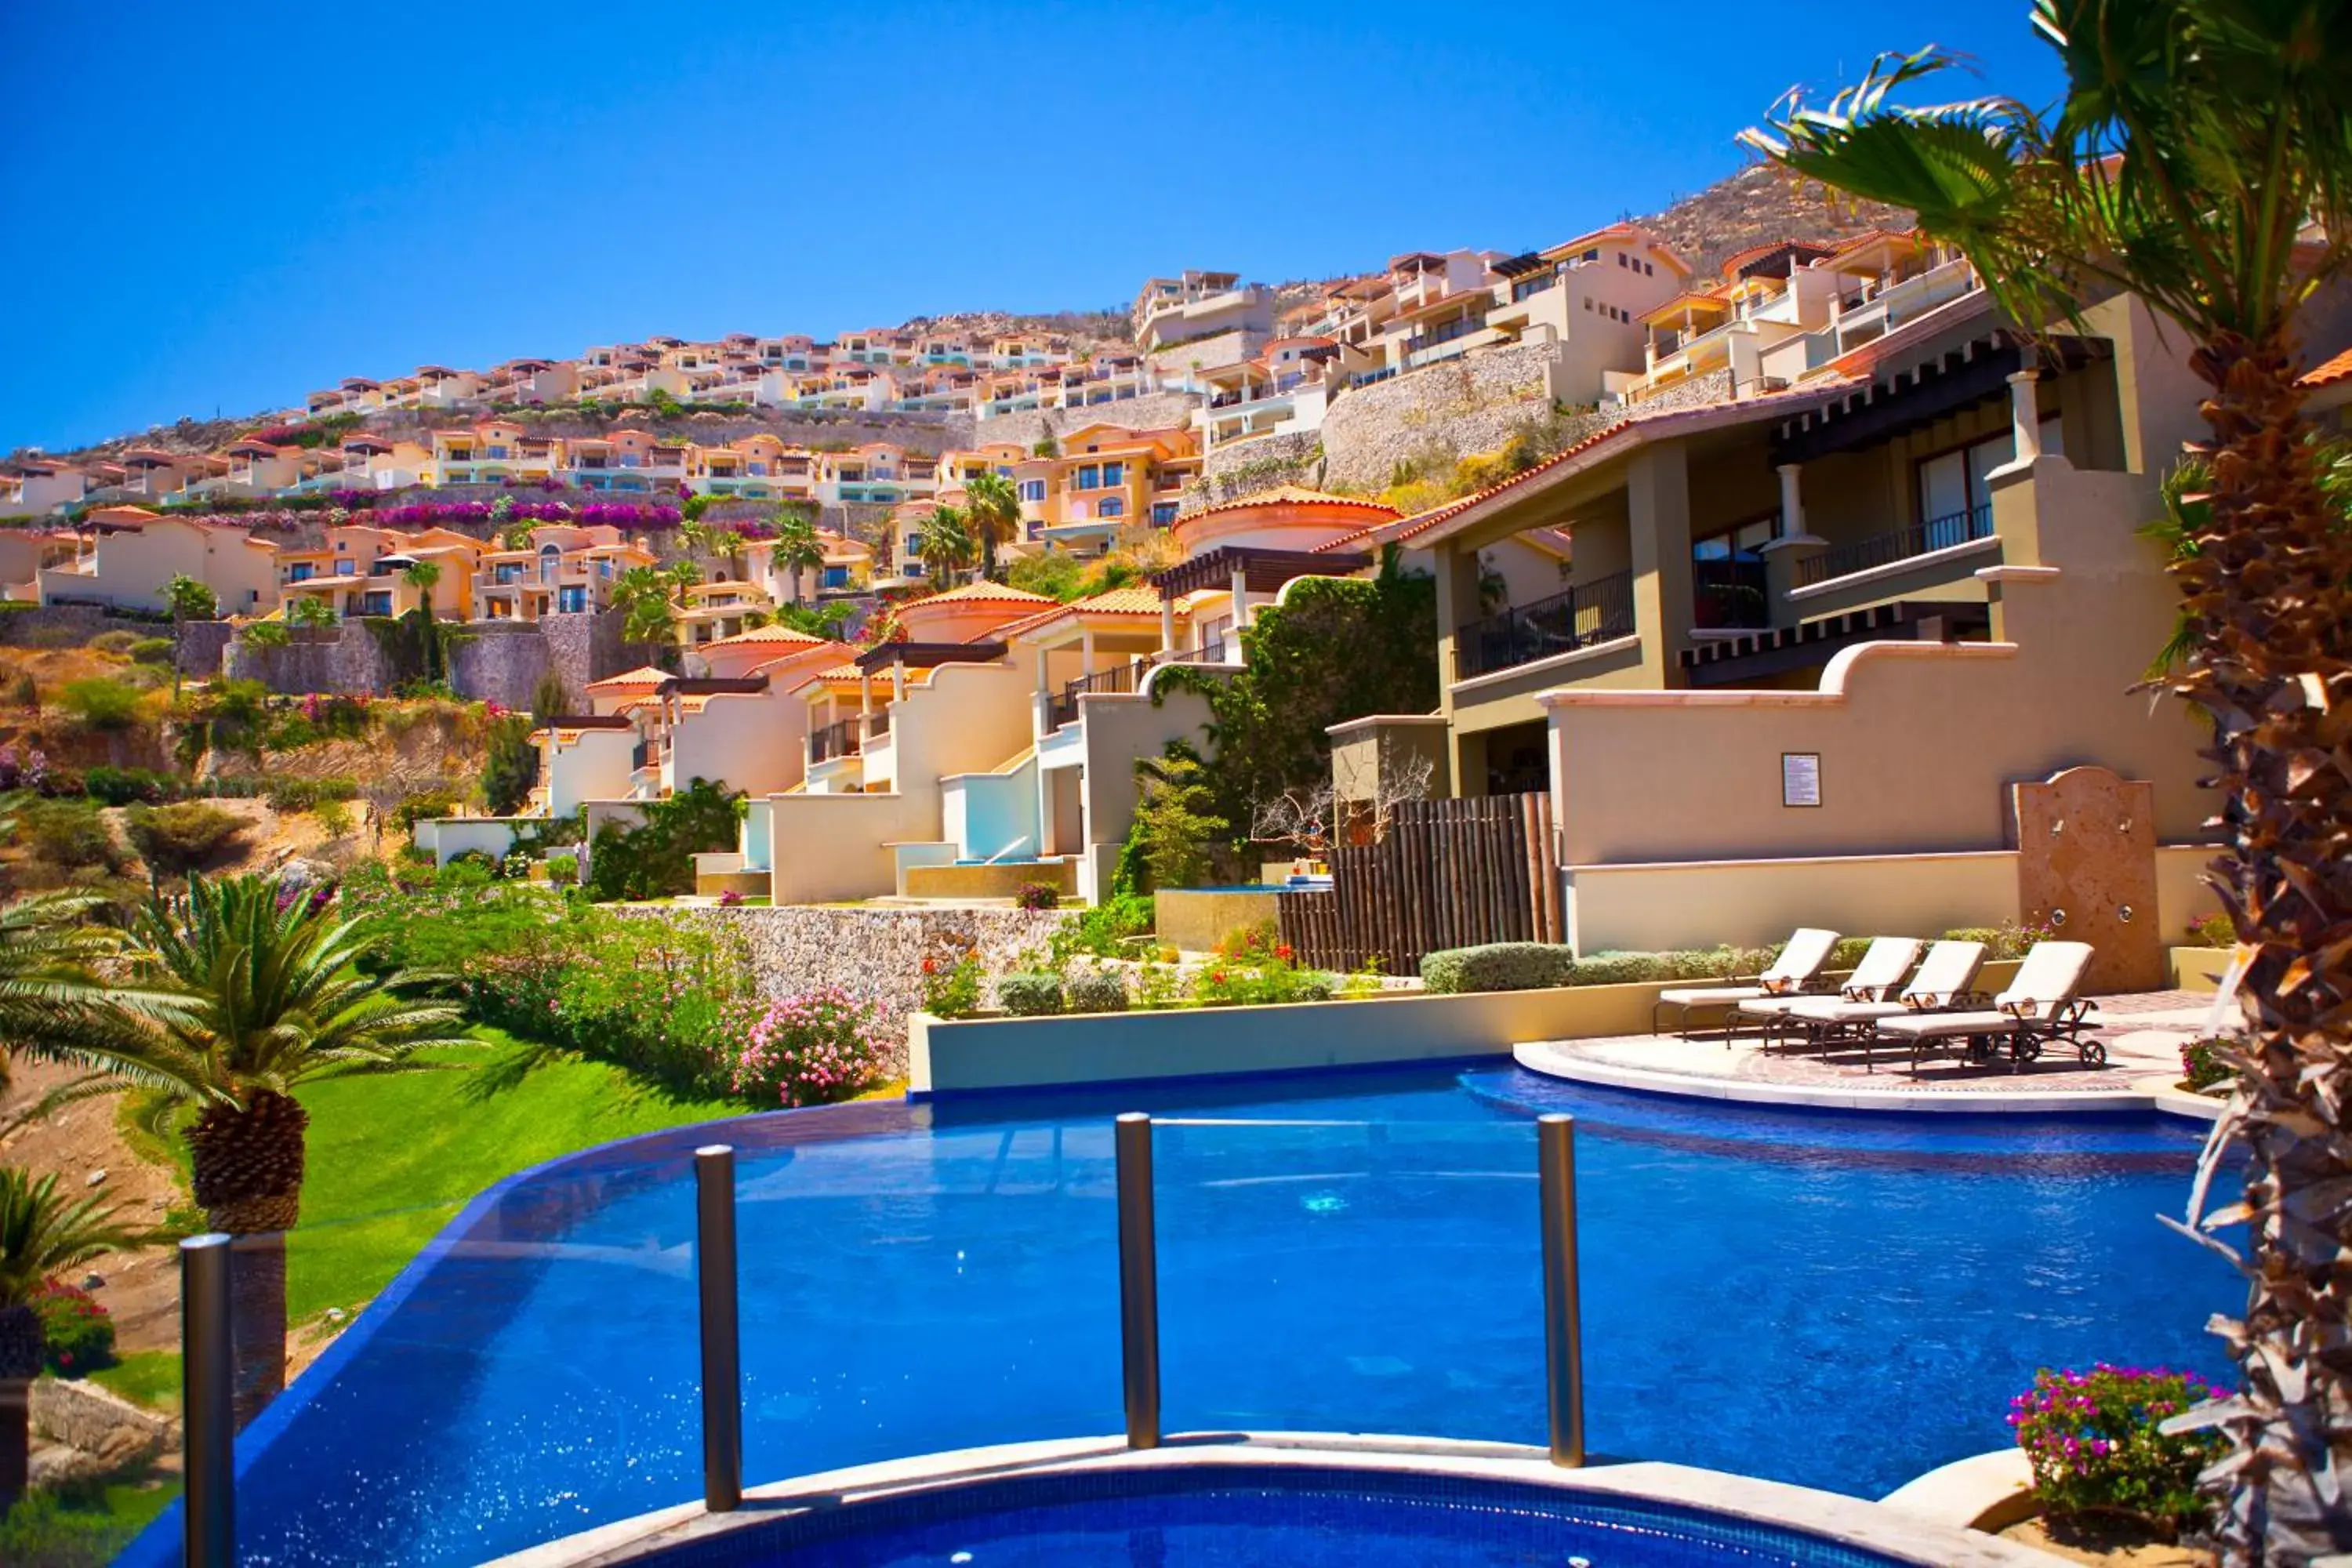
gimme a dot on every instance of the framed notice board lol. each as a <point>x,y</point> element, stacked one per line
<point>1800,778</point>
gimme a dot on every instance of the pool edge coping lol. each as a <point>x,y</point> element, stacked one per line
<point>1851,1521</point>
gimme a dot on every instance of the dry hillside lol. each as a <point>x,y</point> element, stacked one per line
<point>1757,205</point>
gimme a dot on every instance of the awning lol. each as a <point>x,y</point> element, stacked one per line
<point>1265,569</point>
<point>928,655</point>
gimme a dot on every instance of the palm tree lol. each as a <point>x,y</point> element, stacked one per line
<point>994,508</point>
<point>943,543</point>
<point>41,1235</point>
<point>796,548</point>
<point>644,593</point>
<point>188,600</point>
<point>53,1004</point>
<point>263,993</point>
<point>2201,160</point>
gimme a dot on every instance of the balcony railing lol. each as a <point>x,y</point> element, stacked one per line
<point>1064,708</point>
<point>836,739</point>
<point>1887,549</point>
<point>1728,594</point>
<point>877,725</point>
<point>1591,613</point>
<point>1444,334</point>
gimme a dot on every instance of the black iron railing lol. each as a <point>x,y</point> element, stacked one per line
<point>877,725</point>
<point>1064,708</point>
<point>1729,593</point>
<point>1886,549</point>
<point>837,740</point>
<point>1590,613</point>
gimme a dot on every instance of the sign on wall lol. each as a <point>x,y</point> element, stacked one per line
<point>1800,778</point>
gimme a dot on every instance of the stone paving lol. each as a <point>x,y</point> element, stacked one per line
<point>2143,1033</point>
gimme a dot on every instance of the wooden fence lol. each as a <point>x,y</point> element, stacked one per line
<point>1449,873</point>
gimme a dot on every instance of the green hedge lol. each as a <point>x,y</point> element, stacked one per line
<point>1097,993</point>
<point>1030,996</point>
<point>1498,966</point>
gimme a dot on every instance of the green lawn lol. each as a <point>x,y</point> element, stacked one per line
<point>393,1158</point>
<point>83,1529</point>
<point>144,1377</point>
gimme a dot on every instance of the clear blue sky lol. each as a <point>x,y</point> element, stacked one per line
<point>223,209</point>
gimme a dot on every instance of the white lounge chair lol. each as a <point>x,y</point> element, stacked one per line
<point>1799,963</point>
<point>2040,1006</point>
<point>1884,964</point>
<point>1947,979</point>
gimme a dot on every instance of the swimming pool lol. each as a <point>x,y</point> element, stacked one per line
<point>1242,1514</point>
<point>1841,1301</point>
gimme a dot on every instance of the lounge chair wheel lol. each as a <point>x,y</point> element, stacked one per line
<point>2094,1052</point>
<point>2026,1049</point>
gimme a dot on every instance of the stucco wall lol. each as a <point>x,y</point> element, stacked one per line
<point>1752,903</point>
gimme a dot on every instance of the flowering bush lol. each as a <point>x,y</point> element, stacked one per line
<point>1038,896</point>
<point>2096,1447</point>
<point>812,1048</point>
<point>729,899</point>
<point>2201,1066</point>
<point>80,1333</point>
<point>951,986</point>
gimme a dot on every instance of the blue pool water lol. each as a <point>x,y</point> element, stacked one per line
<point>1840,1301</point>
<point>1246,1517</point>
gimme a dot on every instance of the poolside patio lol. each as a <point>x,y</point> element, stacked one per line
<point>2143,1032</point>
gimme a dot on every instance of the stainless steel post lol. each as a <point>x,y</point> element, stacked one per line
<point>208,1401</point>
<point>1563,1328</point>
<point>1138,1282</point>
<point>722,1368</point>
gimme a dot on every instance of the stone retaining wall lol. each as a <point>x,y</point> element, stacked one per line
<point>200,647</point>
<point>500,662</point>
<point>1261,463</point>
<point>877,954</point>
<point>1472,404</point>
<point>341,661</point>
<point>1152,411</point>
<point>1715,386</point>
<point>70,626</point>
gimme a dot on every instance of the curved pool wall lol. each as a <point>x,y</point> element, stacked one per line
<point>1836,1300</point>
<point>1300,1500</point>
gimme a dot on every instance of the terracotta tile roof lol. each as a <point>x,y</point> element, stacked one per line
<point>767,634</point>
<point>644,677</point>
<point>1422,523</point>
<point>983,591</point>
<point>2328,374</point>
<point>1295,493</point>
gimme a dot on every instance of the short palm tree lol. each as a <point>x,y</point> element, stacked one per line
<point>642,594</point>
<point>944,541</point>
<point>263,991</point>
<point>796,549</point>
<point>2201,160</point>
<point>994,508</point>
<point>41,1236</point>
<point>54,1003</point>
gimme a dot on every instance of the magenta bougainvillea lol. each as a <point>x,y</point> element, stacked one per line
<point>2095,1441</point>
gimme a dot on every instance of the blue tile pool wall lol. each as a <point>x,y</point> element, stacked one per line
<point>1298,1516</point>
<point>1837,1301</point>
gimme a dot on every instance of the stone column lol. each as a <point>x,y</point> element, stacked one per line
<point>1658,508</point>
<point>2025,415</point>
<point>1167,622</point>
<point>899,681</point>
<point>1241,599</point>
<point>1792,501</point>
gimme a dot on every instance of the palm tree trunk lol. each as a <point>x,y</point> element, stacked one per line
<point>2269,594</point>
<point>15,1439</point>
<point>247,1169</point>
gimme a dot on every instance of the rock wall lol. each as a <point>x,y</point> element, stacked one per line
<point>1245,468</point>
<point>200,646</point>
<point>877,954</point>
<point>501,662</point>
<point>1715,386</point>
<point>70,626</point>
<point>1152,411</point>
<point>1463,406</point>
<point>343,662</point>
<point>1208,352</point>
<point>584,648</point>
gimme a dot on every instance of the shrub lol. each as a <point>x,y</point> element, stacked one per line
<point>510,769</point>
<point>335,817</point>
<point>2213,930</point>
<point>70,834</point>
<point>1106,930</point>
<point>1253,943</point>
<point>2201,1066</point>
<point>1031,995</point>
<point>101,705</point>
<point>125,786</point>
<point>951,987</point>
<point>116,642</point>
<point>158,651</point>
<point>423,805</point>
<point>811,1048</point>
<point>1616,969</point>
<point>1239,986</point>
<point>730,899</point>
<point>1038,896</point>
<point>176,840</point>
<point>80,1334</point>
<point>656,858</point>
<point>1499,966</point>
<point>1097,990</point>
<point>2006,941</point>
<point>2094,1443</point>
<point>23,692</point>
<point>562,870</point>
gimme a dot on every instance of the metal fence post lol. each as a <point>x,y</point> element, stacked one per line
<point>1138,1282</point>
<point>722,1369</point>
<point>208,1400</point>
<point>1563,1328</point>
